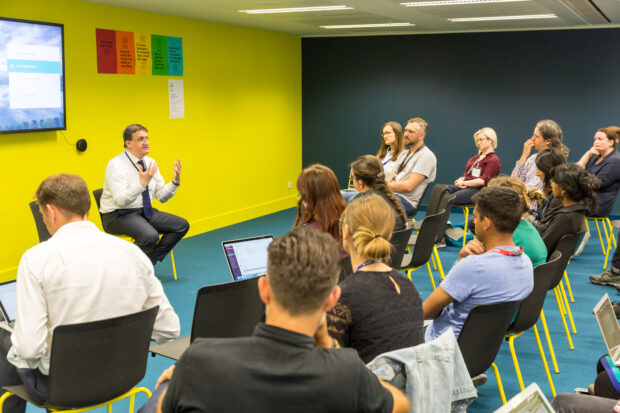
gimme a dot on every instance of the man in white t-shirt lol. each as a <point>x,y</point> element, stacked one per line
<point>417,170</point>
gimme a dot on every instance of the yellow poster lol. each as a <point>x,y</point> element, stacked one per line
<point>143,53</point>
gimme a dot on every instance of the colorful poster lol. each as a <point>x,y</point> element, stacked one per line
<point>159,47</point>
<point>106,51</point>
<point>143,53</point>
<point>125,53</point>
<point>175,56</point>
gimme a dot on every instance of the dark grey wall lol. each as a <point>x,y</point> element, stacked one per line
<point>458,83</point>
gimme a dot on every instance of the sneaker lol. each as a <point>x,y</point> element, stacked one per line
<point>442,243</point>
<point>609,277</point>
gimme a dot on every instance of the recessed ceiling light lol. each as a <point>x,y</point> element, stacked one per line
<point>453,2</point>
<point>297,9</point>
<point>358,26</point>
<point>494,18</point>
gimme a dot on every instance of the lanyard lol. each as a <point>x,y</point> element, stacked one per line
<point>132,164</point>
<point>365,263</point>
<point>507,252</point>
<point>407,159</point>
<point>477,163</point>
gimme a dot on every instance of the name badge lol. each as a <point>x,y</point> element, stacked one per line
<point>475,172</point>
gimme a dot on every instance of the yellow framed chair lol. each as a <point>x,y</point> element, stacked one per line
<point>608,231</point>
<point>95,364</point>
<point>424,244</point>
<point>97,195</point>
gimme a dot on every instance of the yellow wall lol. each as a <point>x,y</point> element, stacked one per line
<point>240,141</point>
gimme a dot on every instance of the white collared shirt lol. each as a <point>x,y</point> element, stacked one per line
<point>79,275</point>
<point>122,189</point>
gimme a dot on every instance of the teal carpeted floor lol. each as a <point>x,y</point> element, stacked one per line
<point>200,261</point>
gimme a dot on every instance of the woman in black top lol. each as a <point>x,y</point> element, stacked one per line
<point>547,204</point>
<point>576,189</point>
<point>369,178</point>
<point>380,309</point>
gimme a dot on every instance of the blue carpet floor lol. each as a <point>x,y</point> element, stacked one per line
<point>200,261</point>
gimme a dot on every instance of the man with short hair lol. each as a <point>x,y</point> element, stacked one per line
<point>490,269</point>
<point>288,364</point>
<point>79,275</point>
<point>132,181</point>
<point>417,170</point>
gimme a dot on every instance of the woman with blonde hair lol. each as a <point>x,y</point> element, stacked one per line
<point>479,169</point>
<point>392,148</point>
<point>380,309</point>
<point>526,235</point>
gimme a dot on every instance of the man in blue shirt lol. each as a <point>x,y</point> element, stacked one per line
<point>490,269</point>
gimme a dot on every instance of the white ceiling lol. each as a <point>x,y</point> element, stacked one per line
<point>571,14</point>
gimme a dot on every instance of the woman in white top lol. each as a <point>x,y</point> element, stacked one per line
<point>393,148</point>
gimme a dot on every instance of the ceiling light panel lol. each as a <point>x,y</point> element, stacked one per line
<point>297,9</point>
<point>373,25</point>
<point>454,2</point>
<point>499,18</point>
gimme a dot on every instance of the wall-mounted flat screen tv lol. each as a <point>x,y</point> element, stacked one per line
<point>32,76</point>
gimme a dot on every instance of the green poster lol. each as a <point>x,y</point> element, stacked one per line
<point>159,50</point>
<point>175,56</point>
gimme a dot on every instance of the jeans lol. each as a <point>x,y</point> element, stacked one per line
<point>433,375</point>
<point>410,210</point>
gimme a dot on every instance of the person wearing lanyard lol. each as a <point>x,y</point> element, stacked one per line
<point>479,168</point>
<point>392,150</point>
<point>490,269</point>
<point>380,309</point>
<point>132,180</point>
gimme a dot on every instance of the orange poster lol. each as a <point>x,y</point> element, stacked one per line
<point>125,52</point>
<point>143,53</point>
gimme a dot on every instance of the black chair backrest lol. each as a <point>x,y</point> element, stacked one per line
<point>446,205</point>
<point>426,239</point>
<point>97,195</point>
<point>482,334</point>
<point>97,361</point>
<point>399,241</point>
<point>435,198</point>
<point>42,231</point>
<point>227,310</point>
<point>566,246</point>
<point>529,309</point>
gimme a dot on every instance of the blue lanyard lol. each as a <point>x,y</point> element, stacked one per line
<point>365,263</point>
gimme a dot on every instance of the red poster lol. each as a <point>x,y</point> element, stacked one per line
<point>125,53</point>
<point>106,51</point>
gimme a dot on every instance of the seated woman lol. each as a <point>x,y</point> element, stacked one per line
<point>320,203</point>
<point>546,204</point>
<point>392,150</point>
<point>479,168</point>
<point>603,160</point>
<point>380,309</point>
<point>369,178</point>
<point>575,188</point>
<point>526,235</point>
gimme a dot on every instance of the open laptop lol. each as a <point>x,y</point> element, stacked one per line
<point>530,400</point>
<point>8,303</point>
<point>610,329</point>
<point>247,257</point>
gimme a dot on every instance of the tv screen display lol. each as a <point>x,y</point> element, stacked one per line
<point>32,91</point>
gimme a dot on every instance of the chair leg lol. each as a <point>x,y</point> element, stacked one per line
<point>570,290</point>
<point>587,227</point>
<point>611,232</point>
<point>174,267</point>
<point>430,274</point>
<point>466,214</point>
<point>5,396</point>
<point>439,265</point>
<point>548,337</point>
<point>600,237</point>
<point>567,306</point>
<point>499,383</point>
<point>558,299</point>
<point>544,360</point>
<point>511,345</point>
<point>433,261</point>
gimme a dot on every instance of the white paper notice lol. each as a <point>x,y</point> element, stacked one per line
<point>177,99</point>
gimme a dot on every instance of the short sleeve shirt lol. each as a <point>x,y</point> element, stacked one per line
<point>422,162</point>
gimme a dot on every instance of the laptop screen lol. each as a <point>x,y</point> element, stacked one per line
<point>530,400</point>
<point>247,257</point>
<point>8,299</point>
<point>608,323</point>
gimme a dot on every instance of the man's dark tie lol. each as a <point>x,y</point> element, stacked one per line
<point>146,199</point>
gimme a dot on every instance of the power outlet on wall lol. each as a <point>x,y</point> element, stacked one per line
<point>289,185</point>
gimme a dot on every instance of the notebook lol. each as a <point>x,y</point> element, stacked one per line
<point>247,257</point>
<point>8,302</point>
<point>530,400</point>
<point>610,329</point>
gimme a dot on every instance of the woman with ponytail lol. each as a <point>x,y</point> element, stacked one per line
<point>369,178</point>
<point>576,189</point>
<point>380,309</point>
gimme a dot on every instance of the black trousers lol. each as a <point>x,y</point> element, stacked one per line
<point>463,195</point>
<point>35,382</point>
<point>131,222</point>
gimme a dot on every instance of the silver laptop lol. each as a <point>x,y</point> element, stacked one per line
<point>530,400</point>
<point>8,303</point>
<point>610,329</point>
<point>247,257</point>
